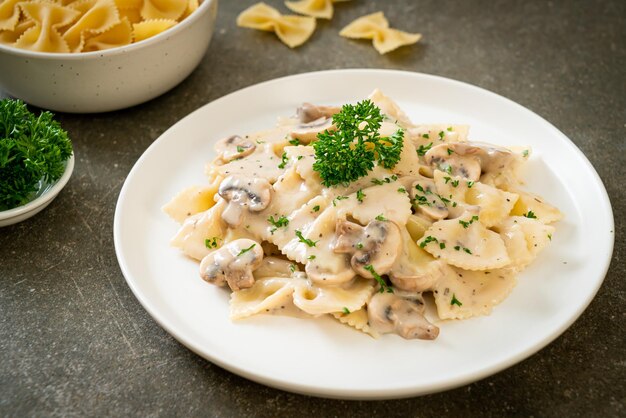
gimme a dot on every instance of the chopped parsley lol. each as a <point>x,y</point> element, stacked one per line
<point>447,179</point>
<point>359,246</point>
<point>401,190</point>
<point>470,184</point>
<point>211,242</point>
<point>428,240</point>
<point>360,195</point>
<point>281,222</point>
<point>468,223</point>
<point>441,135</point>
<point>467,250</point>
<point>530,215</point>
<point>426,136</point>
<point>311,257</point>
<point>292,267</point>
<point>346,310</point>
<point>339,198</point>
<point>308,242</point>
<point>449,128</point>
<point>525,153</point>
<point>455,301</point>
<point>245,250</point>
<point>350,151</point>
<point>442,245</point>
<point>295,142</point>
<point>383,286</point>
<point>283,160</point>
<point>550,237</point>
<point>316,208</point>
<point>422,150</point>
<point>449,151</point>
<point>454,183</point>
<point>240,148</point>
<point>381,218</point>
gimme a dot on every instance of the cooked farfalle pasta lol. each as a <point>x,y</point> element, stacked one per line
<point>448,217</point>
<point>321,9</point>
<point>293,31</point>
<point>376,27</point>
<point>86,25</point>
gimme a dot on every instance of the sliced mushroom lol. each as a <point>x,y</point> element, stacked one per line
<point>233,147</point>
<point>376,246</point>
<point>457,159</point>
<point>243,193</point>
<point>402,314</point>
<point>307,132</point>
<point>426,200</point>
<point>309,112</point>
<point>232,264</point>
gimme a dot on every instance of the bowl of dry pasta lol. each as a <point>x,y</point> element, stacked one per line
<point>86,56</point>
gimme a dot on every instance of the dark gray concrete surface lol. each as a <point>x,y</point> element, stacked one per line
<point>75,342</point>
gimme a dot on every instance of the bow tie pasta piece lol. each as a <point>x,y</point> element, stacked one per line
<point>44,36</point>
<point>376,27</point>
<point>357,320</point>
<point>524,238</point>
<point>321,9</point>
<point>149,28</point>
<point>163,9</point>
<point>390,108</point>
<point>462,294</point>
<point>9,14</point>
<point>317,300</point>
<point>96,16</point>
<point>264,296</point>
<point>118,35</point>
<point>10,37</point>
<point>293,31</point>
<point>192,236</point>
<point>533,206</point>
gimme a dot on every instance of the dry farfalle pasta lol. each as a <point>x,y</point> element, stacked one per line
<point>292,30</point>
<point>376,27</point>
<point>86,25</point>
<point>321,9</point>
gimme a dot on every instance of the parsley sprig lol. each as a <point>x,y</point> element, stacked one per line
<point>349,152</point>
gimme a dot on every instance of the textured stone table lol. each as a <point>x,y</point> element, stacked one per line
<point>74,341</point>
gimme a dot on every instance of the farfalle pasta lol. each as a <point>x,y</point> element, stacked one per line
<point>87,25</point>
<point>446,218</point>
<point>376,27</point>
<point>293,31</point>
<point>321,9</point>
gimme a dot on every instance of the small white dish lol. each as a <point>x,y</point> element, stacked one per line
<point>43,197</point>
<point>322,357</point>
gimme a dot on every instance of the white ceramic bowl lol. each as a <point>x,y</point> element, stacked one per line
<point>112,79</point>
<point>44,196</point>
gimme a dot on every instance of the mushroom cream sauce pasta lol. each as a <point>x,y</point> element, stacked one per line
<point>444,215</point>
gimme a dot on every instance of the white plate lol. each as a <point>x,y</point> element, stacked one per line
<point>322,357</point>
<point>46,194</point>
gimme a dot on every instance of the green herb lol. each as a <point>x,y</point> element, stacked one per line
<point>245,250</point>
<point>457,247</point>
<point>240,148</point>
<point>295,141</point>
<point>282,221</point>
<point>346,310</point>
<point>401,190</point>
<point>339,198</point>
<point>378,182</point>
<point>550,237</point>
<point>383,286</point>
<point>359,246</point>
<point>530,215</point>
<point>381,218</point>
<point>426,136</point>
<point>428,240</point>
<point>308,242</point>
<point>453,204</point>
<point>441,135</point>
<point>258,141</point>
<point>455,301</point>
<point>316,208</point>
<point>454,183</point>
<point>468,223</point>
<point>525,153</point>
<point>449,128</point>
<point>448,169</point>
<point>299,157</point>
<point>422,150</point>
<point>449,151</point>
<point>283,160</point>
<point>32,148</point>
<point>467,250</point>
<point>211,242</point>
<point>292,267</point>
<point>442,245</point>
<point>349,152</point>
<point>470,184</point>
<point>447,179</point>
<point>360,195</point>
<point>311,257</point>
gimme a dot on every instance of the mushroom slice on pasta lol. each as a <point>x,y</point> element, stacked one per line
<point>466,243</point>
<point>149,28</point>
<point>317,300</point>
<point>463,294</point>
<point>118,35</point>
<point>376,27</point>
<point>48,18</point>
<point>293,31</point>
<point>524,238</point>
<point>356,319</point>
<point>163,9</point>
<point>265,295</point>
<point>530,204</point>
<point>192,235</point>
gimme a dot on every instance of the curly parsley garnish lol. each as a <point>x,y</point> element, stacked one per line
<point>349,152</point>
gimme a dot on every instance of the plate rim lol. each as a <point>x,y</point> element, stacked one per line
<point>363,394</point>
